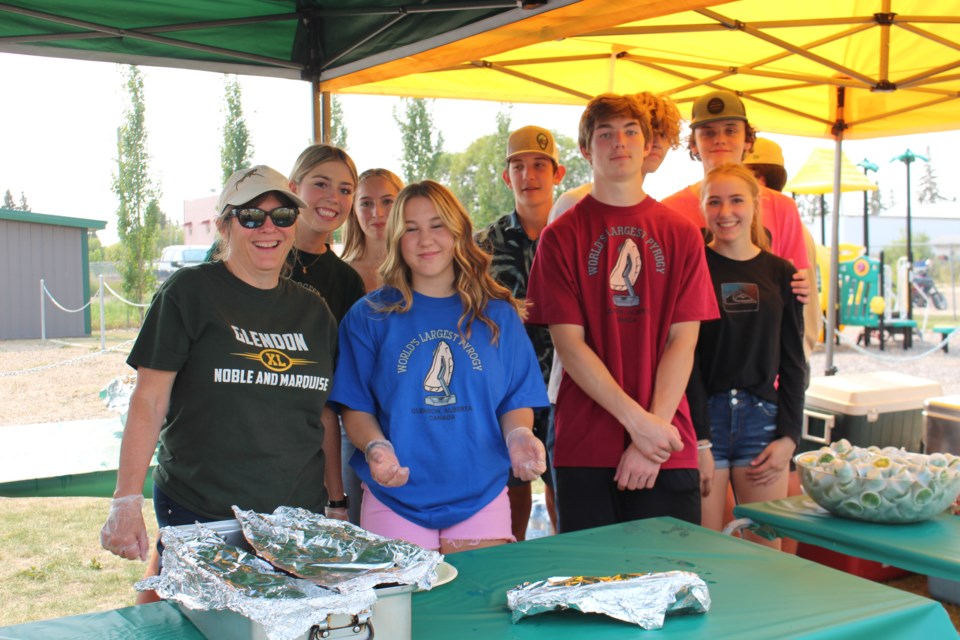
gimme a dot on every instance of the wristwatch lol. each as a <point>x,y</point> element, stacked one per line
<point>339,504</point>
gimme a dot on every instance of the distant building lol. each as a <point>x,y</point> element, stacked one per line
<point>198,220</point>
<point>49,248</point>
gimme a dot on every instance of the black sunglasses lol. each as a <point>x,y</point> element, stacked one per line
<point>253,218</point>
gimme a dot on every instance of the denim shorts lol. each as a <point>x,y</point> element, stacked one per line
<point>741,426</point>
<point>172,514</point>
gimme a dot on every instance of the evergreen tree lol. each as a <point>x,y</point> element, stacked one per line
<point>875,203</point>
<point>138,215</point>
<point>236,149</point>
<point>8,202</point>
<point>338,127</point>
<point>422,142</point>
<point>929,191</point>
<point>23,202</point>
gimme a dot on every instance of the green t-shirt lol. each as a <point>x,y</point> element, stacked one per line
<point>254,369</point>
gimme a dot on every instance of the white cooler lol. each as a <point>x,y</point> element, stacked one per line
<point>883,408</point>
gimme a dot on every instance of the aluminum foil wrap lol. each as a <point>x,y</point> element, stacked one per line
<point>334,553</point>
<point>116,395</point>
<point>201,571</point>
<point>643,599</point>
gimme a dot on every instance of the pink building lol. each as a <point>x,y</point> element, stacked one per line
<point>198,216</point>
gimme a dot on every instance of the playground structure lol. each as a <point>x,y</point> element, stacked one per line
<point>873,295</point>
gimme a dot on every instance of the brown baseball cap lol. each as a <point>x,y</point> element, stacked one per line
<point>532,139</point>
<point>717,105</point>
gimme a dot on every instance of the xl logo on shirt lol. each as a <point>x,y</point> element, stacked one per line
<point>274,360</point>
<point>738,297</point>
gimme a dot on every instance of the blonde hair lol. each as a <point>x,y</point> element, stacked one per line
<point>758,234</point>
<point>470,263</point>
<point>664,116</point>
<point>354,240</point>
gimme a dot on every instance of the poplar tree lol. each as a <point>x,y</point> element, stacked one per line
<point>236,150</point>
<point>338,126</point>
<point>138,214</point>
<point>422,142</point>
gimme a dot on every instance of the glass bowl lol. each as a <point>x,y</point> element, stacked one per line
<point>877,485</point>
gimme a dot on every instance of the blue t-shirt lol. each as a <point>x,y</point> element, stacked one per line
<point>437,397</point>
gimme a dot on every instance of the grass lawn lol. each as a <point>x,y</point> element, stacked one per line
<point>51,563</point>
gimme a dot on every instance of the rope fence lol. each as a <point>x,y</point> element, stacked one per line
<point>842,339</point>
<point>104,287</point>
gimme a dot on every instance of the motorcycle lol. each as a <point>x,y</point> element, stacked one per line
<point>923,288</point>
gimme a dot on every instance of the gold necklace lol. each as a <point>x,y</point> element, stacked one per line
<point>305,267</point>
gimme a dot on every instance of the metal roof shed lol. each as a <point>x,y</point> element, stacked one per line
<point>52,248</point>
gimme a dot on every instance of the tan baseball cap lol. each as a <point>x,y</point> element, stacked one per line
<point>766,160</point>
<point>764,152</point>
<point>248,184</point>
<point>717,105</point>
<point>532,139</point>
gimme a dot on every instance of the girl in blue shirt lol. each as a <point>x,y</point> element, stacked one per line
<point>437,382</point>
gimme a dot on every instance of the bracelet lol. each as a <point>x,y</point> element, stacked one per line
<point>704,444</point>
<point>339,504</point>
<point>375,443</point>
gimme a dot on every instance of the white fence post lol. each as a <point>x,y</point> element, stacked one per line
<point>43,314</point>
<point>103,319</point>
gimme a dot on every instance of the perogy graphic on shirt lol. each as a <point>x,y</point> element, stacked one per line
<point>439,377</point>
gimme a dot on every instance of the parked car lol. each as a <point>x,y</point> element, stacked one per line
<point>179,255</point>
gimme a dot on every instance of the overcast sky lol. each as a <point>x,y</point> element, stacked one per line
<point>58,121</point>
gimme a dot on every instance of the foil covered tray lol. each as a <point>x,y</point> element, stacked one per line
<point>334,553</point>
<point>642,599</point>
<point>212,573</point>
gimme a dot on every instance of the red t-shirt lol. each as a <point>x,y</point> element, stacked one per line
<point>625,274</point>
<point>780,217</point>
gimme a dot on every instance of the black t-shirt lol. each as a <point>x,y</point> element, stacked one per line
<point>339,283</point>
<point>254,369</point>
<point>757,344</point>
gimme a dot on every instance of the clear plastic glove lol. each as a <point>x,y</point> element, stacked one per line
<point>527,455</point>
<point>337,513</point>
<point>125,534</point>
<point>384,465</point>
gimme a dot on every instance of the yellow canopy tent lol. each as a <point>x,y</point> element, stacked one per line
<point>820,68</point>
<point>816,177</point>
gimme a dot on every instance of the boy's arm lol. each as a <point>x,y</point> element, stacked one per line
<point>673,375</point>
<point>673,370</point>
<point>656,437</point>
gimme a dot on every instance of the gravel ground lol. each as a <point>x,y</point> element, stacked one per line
<point>923,360</point>
<point>55,381</point>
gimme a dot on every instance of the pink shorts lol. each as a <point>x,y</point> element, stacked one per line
<point>490,523</point>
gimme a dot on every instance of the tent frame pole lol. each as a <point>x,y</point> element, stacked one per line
<point>834,282</point>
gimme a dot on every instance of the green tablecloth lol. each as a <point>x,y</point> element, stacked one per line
<point>756,592</point>
<point>931,548</point>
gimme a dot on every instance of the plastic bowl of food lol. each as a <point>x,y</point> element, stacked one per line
<point>879,485</point>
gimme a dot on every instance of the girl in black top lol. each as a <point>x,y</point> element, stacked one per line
<point>749,364</point>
